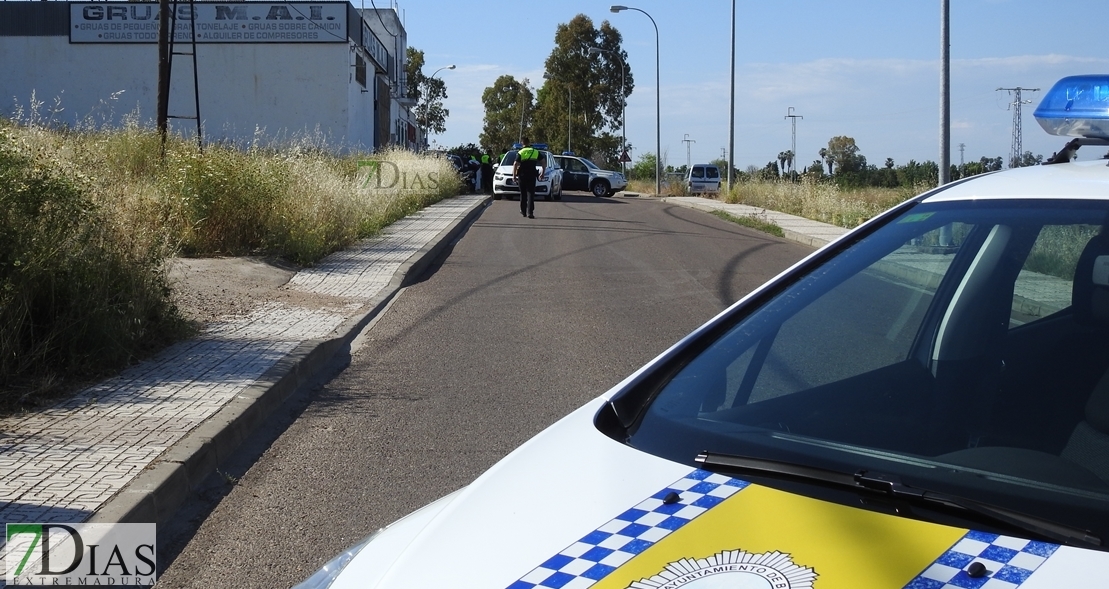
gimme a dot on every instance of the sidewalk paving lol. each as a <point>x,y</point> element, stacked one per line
<point>796,228</point>
<point>132,448</point>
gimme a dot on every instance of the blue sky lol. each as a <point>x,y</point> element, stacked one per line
<point>868,69</point>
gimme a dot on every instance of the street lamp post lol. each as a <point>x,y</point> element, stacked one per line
<point>428,108</point>
<point>523,86</point>
<point>623,106</point>
<point>658,107</point>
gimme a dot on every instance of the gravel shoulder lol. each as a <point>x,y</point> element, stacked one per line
<point>209,289</point>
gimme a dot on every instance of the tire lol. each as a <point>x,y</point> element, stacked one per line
<point>599,188</point>
<point>559,195</point>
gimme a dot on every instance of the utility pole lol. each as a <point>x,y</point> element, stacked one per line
<point>945,97</point>
<point>793,145</point>
<point>731,107</point>
<point>163,71</point>
<point>723,153</point>
<point>1017,151</point>
<point>962,147</point>
<point>687,141</point>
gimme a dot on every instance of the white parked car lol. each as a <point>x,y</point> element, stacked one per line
<point>923,403</point>
<point>579,173</point>
<point>548,187</point>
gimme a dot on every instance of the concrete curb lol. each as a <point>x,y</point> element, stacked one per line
<point>809,240</point>
<point>165,485</point>
<point>789,234</point>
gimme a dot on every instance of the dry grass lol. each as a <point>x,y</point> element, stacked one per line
<point>88,218</point>
<point>819,201</point>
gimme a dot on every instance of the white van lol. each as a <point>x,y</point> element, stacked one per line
<point>703,178</point>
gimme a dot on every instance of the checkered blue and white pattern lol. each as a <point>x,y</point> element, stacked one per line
<point>1008,561</point>
<point>600,552</point>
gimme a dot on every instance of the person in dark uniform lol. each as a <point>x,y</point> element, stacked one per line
<point>486,174</point>
<point>526,170</point>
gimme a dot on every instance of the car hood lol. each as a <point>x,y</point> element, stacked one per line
<point>573,508</point>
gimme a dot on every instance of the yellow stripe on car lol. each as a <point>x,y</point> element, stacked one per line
<point>789,541</point>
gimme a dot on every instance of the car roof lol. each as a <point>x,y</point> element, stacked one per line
<point>1086,180</point>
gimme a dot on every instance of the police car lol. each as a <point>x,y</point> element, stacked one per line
<point>579,173</point>
<point>548,187</point>
<point>923,403</point>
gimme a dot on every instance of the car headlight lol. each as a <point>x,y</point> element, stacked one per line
<point>323,578</point>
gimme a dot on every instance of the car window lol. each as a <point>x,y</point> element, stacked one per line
<point>867,322</point>
<point>1046,280</point>
<point>959,338</point>
<point>590,164</point>
<point>697,172</point>
<point>576,166</point>
<point>509,158</point>
<point>712,172</point>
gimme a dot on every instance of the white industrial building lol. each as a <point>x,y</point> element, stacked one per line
<point>265,70</point>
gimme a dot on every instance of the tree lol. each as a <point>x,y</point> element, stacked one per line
<point>843,151</point>
<point>1029,160</point>
<point>508,113</point>
<point>465,151</point>
<point>593,82</point>
<point>816,168</point>
<point>644,167</point>
<point>428,92</point>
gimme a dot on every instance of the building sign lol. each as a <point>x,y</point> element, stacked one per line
<point>238,22</point>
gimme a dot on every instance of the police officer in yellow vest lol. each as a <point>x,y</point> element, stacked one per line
<point>486,174</point>
<point>526,170</point>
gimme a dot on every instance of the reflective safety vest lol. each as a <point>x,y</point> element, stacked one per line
<point>529,153</point>
<point>485,159</point>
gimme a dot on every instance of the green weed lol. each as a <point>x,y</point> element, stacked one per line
<point>752,221</point>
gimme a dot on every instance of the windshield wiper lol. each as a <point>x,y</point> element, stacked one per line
<point>891,486</point>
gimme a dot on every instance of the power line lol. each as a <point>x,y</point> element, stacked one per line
<point>793,145</point>
<point>687,141</point>
<point>1017,151</point>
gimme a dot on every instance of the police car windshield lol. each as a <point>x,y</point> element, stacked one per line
<point>590,165</point>
<point>961,346</point>
<point>509,158</point>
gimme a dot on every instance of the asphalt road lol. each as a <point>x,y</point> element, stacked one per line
<point>523,321</point>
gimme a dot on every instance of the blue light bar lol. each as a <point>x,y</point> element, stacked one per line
<point>1076,106</point>
<point>540,146</point>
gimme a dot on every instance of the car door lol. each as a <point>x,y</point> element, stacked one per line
<point>575,175</point>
